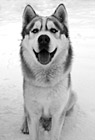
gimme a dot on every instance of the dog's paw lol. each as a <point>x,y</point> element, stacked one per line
<point>25,129</point>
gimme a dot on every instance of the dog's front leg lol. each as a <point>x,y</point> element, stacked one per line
<point>57,124</point>
<point>24,128</point>
<point>30,125</point>
<point>58,118</point>
<point>33,126</point>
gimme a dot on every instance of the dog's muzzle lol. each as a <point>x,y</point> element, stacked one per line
<point>44,56</point>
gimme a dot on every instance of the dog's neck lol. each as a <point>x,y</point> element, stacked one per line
<point>47,82</point>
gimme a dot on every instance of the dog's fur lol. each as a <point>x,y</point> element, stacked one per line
<point>46,58</point>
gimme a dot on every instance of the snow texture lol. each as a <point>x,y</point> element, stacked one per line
<point>80,124</point>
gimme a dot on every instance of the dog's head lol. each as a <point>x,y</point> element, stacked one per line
<point>45,38</point>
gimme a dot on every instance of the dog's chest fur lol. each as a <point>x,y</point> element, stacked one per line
<point>46,100</point>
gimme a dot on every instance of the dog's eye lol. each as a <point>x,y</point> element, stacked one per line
<point>36,30</point>
<point>53,30</point>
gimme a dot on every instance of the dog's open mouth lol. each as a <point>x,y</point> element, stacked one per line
<point>44,57</point>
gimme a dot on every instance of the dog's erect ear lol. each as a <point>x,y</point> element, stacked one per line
<point>61,14</point>
<point>28,15</point>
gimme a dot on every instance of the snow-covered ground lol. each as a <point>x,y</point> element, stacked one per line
<point>80,124</point>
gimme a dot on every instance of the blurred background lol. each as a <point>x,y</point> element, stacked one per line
<point>81,17</point>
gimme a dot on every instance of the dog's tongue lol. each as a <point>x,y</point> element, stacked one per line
<point>44,57</point>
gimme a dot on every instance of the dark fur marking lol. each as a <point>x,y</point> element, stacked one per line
<point>69,80</point>
<point>25,66</point>
<point>68,59</point>
<point>46,123</point>
<point>56,22</point>
<point>62,27</point>
<point>65,31</point>
<point>26,29</point>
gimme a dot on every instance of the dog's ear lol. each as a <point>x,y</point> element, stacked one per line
<point>61,14</point>
<point>28,15</point>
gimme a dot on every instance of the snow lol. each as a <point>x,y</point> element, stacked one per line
<point>80,124</point>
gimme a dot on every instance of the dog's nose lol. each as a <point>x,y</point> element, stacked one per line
<point>44,40</point>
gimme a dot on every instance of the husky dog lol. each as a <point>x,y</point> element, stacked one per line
<point>46,58</point>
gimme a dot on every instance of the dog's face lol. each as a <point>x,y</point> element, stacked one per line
<point>46,52</point>
<point>45,37</point>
